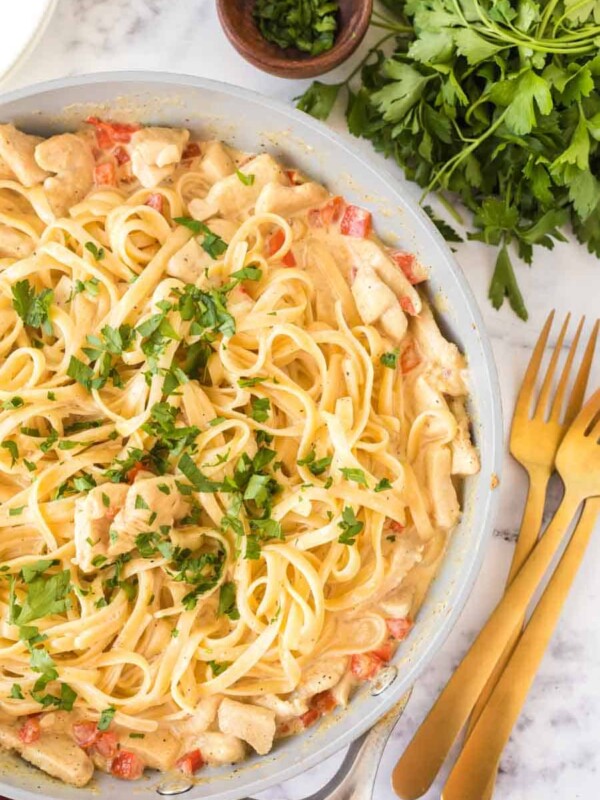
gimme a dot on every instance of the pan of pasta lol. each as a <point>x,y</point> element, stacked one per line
<point>249,437</point>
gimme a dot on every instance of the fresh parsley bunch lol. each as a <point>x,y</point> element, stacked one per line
<point>496,102</point>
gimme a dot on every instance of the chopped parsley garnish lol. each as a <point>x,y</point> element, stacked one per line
<point>248,383</point>
<point>34,309</point>
<point>356,475</point>
<point>350,526</point>
<point>218,667</point>
<point>14,402</point>
<point>261,407</point>
<point>249,273</point>
<point>170,437</point>
<point>106,717</point>
<point>97,252</point>
<point>45,595</point>
<point>316,466</point>
<point>390,359</point>
<point>246,179</point>
<point>12,449</point>
<point>16,693</point>
<point>227,601</point>
<point>211,243</point>
<point>383,485</point>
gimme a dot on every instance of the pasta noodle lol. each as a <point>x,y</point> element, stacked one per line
<point>231,440</point>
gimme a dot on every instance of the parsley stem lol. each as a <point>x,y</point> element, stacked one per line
<point>364,60</point>
<point>452,163</point>
<point>450,208</point>
<point>546,15</point>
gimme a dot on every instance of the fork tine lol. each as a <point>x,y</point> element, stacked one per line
<point>527,387</point>
<point>586,416</point>
<point>557,402</point>
<point>542,403</point>
<point>580,385</point>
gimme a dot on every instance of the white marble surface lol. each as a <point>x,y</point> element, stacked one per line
<point>554,753</point>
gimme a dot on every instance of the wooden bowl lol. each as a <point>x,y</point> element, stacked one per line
<point>241,30</point>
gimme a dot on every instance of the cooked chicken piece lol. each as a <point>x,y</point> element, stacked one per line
<point>321,675</point>
<point>252,724</point>
<point>17,152</point>
<point>14,243</point>
<point>397,603</point>
<point>54,753</point>
<point>189,263</point>
<point>446,370</point>
<point>220,748</point>
<point>155,152</point>
<point>204,715</point>
<point>216,162</point>
<point>158,750</point>
<point>283,709</point>
<point>438,463</point>
<point>230,197</point>
<point>93,519</point>
<point>465,459</point>
<point>149,504</point>
<point>287,200</point>
<point>366,252</point>
<point>377,303</point>
<point>71,158</point>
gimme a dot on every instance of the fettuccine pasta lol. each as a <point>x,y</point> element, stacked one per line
<point>231,444</point>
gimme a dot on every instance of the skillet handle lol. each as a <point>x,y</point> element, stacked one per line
<point>355,778</point>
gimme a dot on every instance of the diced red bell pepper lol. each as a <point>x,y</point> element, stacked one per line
<point>133,472</point>
<point>414,271</point>
<point>332,210</point>
<point>127,766</point>
<point>156,201</point>
<point>406,304</point>
<point>30,730</point>
<point>85,733</point>
<point>395,526</point>
<point>294,177</point>
<point>365,666</point>
<point>190,762</point>
<point>384,651</point>
<point>106,744</point>
<point>324,702</point>
<point>399,628</point>
<point>121,155</point>
<point>191,150</point>
<point>356,222</point>
<point>310,717</point>
<point>105,174</point>
<point>275,242</point>
<point>409,358</point>
<point>109,133</point>
<point>327,214</point>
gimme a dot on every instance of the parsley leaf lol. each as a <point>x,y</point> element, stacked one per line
<point>106,717</point>
<point>97,252</point>
<point>350,526</point>
<point>34,309</point>
<point>390,359</point>
<point>246,179</point>
<point>227,601</point>
<point>211,243</point>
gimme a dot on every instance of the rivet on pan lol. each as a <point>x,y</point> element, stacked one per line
<point>176,784</point>
<point>384,679</point>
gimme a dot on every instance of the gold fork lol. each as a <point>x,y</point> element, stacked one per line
<point>470,776</point>
<point>420,763</point>
<point>535,436</point>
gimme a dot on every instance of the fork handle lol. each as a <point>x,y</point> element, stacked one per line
<point>422,759</point>
<point>480,756</point>
<point>531,524</point>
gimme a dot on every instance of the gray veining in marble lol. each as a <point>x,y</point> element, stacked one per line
<point>554,753</point>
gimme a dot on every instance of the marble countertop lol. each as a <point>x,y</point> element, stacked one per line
<point>553,754</point>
